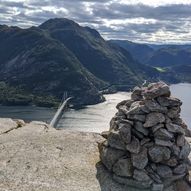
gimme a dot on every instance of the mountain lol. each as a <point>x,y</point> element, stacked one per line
<point>41,63</point>
<point>173,62</point>
<point>140,52</point>
<point>170,56</point>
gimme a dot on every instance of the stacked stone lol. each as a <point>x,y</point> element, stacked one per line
<point>146,146</point>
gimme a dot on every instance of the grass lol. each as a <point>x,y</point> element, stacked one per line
<point>160,69</point>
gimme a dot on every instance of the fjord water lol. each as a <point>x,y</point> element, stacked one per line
<point>94,118</point>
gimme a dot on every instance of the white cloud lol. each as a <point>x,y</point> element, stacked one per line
<point>136,20</point>
<point>154,2</point>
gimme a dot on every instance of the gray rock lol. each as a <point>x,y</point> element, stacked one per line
<point>134,146</point>
<point>142,176</point>
<point>125,133</point>
<point>157,127</point>
<point>105,134</point>
<point>123,110</point>
<point>163,134</point>
<point>144,141</point>
<point>126,103</point>
<point>176,150</point>
<point>185,151</point>
<point>113,124</point>
<point>137,94</point>
<point>169,101</point>
<point>161,142</point>
<point>169,181</point>
<point>174,128</point>
<point>137,134</point>
<point>140,160</point>
<point>153,119</point>
<point>139,127</point>
<point>38,157</point>
<point>120,115</point>
<point>179,122</point>
<point>137,117</point>
<point>110,156</point>
<point>153,166</point>
<point>123,167</point>
<point>168,120</point>
<point>126,121</point>
<point>153,175</point>
<point>157,187</point>
<point>149,144</point>
<point>173,112</point>
<point>136,108</point>
<point>6,125</point>
<point>172,162</point>
<point>153,106</point>
<point>155,90</point>
<point>164,171</point>
<point>115,141</point>
<point>180,169</point>
<point>131,182</point>
<point>180,141</point>
<point>159,153</point>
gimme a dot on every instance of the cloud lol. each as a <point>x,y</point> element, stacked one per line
<point>137,20</point>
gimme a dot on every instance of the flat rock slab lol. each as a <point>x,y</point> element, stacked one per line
<point>7,124</point>
<point>38,157</point>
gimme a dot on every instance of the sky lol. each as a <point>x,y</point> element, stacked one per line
<point>150,21</point>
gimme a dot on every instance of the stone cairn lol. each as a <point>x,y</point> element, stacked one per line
<point>146,146</point>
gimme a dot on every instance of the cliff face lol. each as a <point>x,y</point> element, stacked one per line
<point>37,157</point>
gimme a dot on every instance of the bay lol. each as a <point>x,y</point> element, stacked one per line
<point>94,118</point>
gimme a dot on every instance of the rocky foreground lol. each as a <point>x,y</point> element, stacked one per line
<point>146,146</point>
<point>37,157</point>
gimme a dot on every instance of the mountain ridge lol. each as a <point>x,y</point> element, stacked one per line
<point>60,55</point>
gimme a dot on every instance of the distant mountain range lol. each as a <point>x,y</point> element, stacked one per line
<point>172,61</point>
<point>39,64</point>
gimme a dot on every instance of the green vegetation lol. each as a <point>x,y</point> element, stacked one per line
<point>160,69</point>
<point>40,63</point>
<point>16,96</point>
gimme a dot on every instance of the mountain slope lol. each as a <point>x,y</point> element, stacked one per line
<point>170,56</point>
<point>43,66</point>
<point>140,52</point>
<point>106,61</point>
<point>172,61</point>
<point>59,56</point>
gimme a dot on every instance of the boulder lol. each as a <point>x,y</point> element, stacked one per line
<point>153,119</point>
<point>134,146</point>
<point>154,106</point>
<point>142,176</point>
<point>137,94</point>
<point>123,167</point>
<point>139,127</point>
<point>109,156</point>
<point>140,160</point>
<point>114,140</point>
<point>163,134</point>
<point>155,90</point>
<point>159,153</point>
<point>180,169</point>
<point>125,133</point>
<point>174,128</point>
<point>169,102</point>
<point>164,171</point>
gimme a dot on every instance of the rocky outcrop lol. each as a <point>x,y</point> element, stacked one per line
<point>146,146</point>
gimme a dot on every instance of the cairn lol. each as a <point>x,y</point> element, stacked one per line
<point>146,146</point>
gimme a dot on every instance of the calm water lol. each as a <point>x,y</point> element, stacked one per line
<point>93,118</point>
